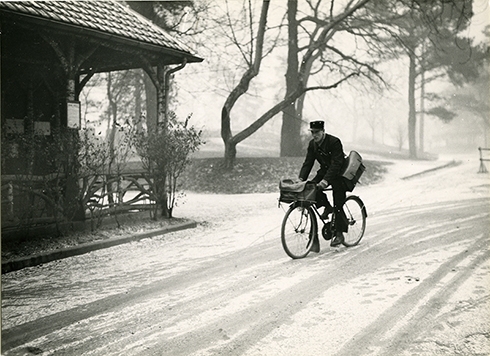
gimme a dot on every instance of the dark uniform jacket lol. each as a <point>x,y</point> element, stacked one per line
<point>330,155</point>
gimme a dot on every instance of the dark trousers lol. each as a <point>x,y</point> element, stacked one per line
<point>338,201</point>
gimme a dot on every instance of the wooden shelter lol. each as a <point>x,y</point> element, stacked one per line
<point>51,49</point>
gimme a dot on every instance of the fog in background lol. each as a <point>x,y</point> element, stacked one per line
<point>359,116</point>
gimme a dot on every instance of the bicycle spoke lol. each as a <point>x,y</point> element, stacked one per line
<point>298,228</point>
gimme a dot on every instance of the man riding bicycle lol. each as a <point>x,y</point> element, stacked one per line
<point>328,151</point>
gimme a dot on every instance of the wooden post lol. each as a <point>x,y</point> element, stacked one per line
<point>482,169</point>
<point>162,120</point>
<point>10,198</point>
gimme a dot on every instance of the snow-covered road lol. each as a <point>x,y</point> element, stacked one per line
<point>419,282</point>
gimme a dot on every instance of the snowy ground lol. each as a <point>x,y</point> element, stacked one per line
<point>417,284</point>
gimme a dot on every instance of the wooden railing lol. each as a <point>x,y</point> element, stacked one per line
<point>29,200</point>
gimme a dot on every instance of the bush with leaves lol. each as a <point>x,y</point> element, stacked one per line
<point>94,157</point>
<point>165,153</point>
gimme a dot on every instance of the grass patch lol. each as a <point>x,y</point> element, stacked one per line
<point>255,175</point>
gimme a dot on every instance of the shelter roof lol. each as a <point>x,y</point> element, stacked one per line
<point>100,18</point>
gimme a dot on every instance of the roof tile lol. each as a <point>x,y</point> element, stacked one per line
<point>107,16</point>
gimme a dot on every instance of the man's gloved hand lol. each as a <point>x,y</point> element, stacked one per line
<point>323,184</point>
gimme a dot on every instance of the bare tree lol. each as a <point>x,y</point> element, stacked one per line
<point>313,53</point>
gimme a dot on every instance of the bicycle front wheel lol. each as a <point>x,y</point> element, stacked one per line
<point>298,230</point>
<point>356,219</point>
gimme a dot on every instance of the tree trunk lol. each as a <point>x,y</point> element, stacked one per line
<point>486,128</point>
<point>226,135</point>
<point>290,133</point>
<point>229,140</point>
<point>422,114</point>
<point>412,119</point>
<point>230,154</point>
<point>291,120</point>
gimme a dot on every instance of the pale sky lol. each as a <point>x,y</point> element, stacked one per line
<point>481,18</point>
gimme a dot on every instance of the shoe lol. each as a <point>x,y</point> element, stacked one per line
<point>316,245</point>
<point>337,240</point>
<point>328,210</point>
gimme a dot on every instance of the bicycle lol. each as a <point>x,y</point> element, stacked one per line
<point>300,226</point>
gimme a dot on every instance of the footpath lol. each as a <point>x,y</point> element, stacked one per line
<point>50,256</point>
<point>417,168</point>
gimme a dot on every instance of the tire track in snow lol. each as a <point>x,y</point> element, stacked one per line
<point>372,338</point>
<point>228,278</point>
<point>252,331</point>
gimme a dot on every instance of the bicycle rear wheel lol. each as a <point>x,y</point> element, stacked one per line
<point>356,219</point>
<point>298,230</point>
